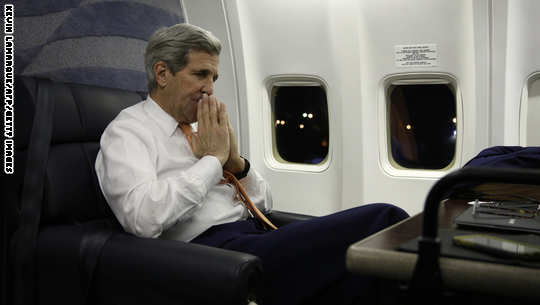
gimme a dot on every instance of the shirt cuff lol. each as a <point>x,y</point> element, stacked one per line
<point>209,171</point>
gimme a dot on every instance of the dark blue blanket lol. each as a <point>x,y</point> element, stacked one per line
<point>507,156</point>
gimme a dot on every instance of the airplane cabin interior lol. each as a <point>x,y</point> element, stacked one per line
<point>432,106</point>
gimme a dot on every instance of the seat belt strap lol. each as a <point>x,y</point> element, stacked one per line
<point>32,196</point>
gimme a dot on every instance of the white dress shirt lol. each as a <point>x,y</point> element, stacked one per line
<point>154,184</point>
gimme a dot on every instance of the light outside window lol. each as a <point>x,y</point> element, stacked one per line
<point>300,123</point>
<point>422,125</point>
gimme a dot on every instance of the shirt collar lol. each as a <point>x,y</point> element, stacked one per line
<point>164,120</point>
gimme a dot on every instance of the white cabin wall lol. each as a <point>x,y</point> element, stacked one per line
<point>522,61</point>
<point>483,40</point>
<point>453,27</point>
<point>498,37</point>
<point>347,45</point>
<point>350,44</point>
<point>287,38</point>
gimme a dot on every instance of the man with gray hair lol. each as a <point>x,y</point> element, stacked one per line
<point>162,179</point>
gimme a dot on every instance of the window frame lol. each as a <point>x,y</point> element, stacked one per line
<point>386,161</point>
<point>272,157</point>
<point>524,107</point>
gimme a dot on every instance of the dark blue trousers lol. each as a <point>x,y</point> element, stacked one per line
<point>304,262</point>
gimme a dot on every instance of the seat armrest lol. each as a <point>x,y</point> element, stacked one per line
<point>280,218</point>
<point>155,271</point>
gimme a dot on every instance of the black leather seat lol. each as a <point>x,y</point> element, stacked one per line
<point>129,270</point>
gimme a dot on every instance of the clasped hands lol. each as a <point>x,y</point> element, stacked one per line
<point>215,136</point>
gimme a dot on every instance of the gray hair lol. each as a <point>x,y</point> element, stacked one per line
<point>172,45</point>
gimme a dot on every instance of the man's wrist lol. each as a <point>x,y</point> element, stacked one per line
<point>235,165</point>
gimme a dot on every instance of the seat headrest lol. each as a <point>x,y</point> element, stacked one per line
<point>81,112</point>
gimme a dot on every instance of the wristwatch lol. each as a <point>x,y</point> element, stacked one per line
<point>243,173</point>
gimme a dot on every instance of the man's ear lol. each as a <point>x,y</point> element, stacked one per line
<point>160,73</point>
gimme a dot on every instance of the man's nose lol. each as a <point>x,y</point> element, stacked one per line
<point>208,86</point>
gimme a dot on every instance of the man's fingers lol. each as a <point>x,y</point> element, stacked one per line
<point>223,116</point>
<point>203,113</point>
<point>213,110</point>
<point>229,126</point>
<point>213,133</point>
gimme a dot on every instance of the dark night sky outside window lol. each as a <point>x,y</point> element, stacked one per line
<point>422,125</point>
<point>301,123</point>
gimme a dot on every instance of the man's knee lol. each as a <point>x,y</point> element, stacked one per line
<point>393,211</point>
<point>379,215</point>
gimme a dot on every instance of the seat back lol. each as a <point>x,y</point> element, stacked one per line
<point>71,192</point>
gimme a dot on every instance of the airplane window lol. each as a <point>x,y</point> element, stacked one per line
<point>300,120</point>
<point>533,114</point>
<point>422,125</point>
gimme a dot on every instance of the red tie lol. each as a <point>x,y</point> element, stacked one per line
<point>230,178</point>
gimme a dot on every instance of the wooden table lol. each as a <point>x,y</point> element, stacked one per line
<point>376,256</point>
